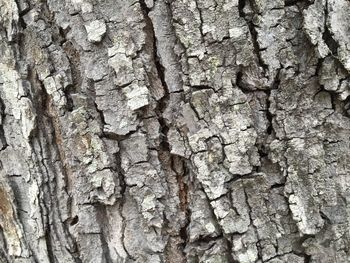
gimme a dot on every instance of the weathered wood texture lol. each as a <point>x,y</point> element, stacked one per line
<point>175,131</point>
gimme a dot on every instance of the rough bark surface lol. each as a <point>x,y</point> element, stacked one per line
<point>175,131</point>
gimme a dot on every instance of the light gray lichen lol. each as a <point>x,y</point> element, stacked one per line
<point>95,30</point>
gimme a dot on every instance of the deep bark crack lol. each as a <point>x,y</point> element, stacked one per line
<point>164,148</point>
<point>254,37</point>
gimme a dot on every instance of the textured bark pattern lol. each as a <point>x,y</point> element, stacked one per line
<point>175,131</point>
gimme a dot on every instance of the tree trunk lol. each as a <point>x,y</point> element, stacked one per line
<point>175,131</point>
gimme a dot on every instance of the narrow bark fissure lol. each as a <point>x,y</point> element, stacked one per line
<point>46,116</point>
<point>301,249</point>
<point>347,107</point>
<point>269,115</point>
<point>201,20</point>
<point>239,77</point>
<point>163,102</point>
<point>201,87</point>
<point>50,253</point>
<point>270,132</point>
<point>222,233</point>
<point>331,43</point>
<point>257,244</point>
<point>74,220</point>
<point>183,197</point>
<point>340,106</point>
<point>333,100</point>
<point>319,66</point>
<point>230,250</point>
<point>4,248</point>
<point>103,222</point>
<point>257,49</point>
<point>53,218</point>
<point>123,187</point>
<point>2,132</point>
<point>122,203</point>
<point>307,258</point>
<point>241,5</point>
<point>74,62</point>
<point>292,2</point>
<point>105,249</point>
<point>120,171</point>
<point>327,35</point>
<point>3,256</point>
<point>51,117</point>
<point>254,37</point>
<point>165,148</point>
<point>100,113</point>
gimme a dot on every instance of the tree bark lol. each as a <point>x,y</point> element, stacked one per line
<point>174,131</point>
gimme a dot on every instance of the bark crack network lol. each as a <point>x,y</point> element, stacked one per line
<point>125,137</point>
